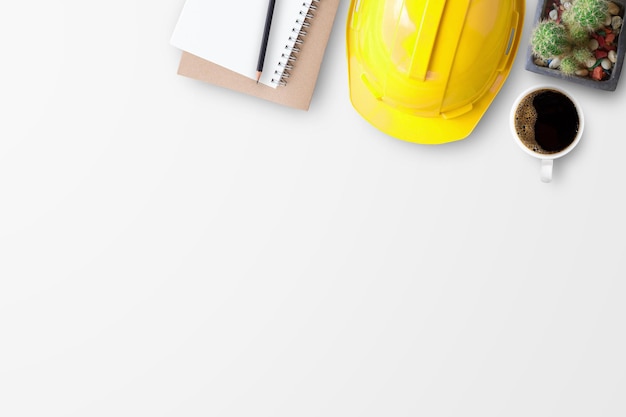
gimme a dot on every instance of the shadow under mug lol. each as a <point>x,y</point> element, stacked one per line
<point>526,113</point>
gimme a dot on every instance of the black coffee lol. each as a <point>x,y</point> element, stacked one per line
<point>546,121</point>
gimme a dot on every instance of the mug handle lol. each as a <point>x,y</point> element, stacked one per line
<point>546,169</point>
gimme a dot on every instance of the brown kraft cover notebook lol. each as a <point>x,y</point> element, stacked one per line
<point>298,91</point>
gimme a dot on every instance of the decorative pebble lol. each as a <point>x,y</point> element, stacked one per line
<point>597,73</point>
<point>590,62</point>
<point>593,44</point>
<point>554,14</point>
<point>616,22</point>
<point>582,72</point>
<point>607,20</point>
<point>610,38</point>
<point>612,56</point>
<point>606,64</point>
<point>567,5</point>
<point>613,8</point>
<point>542,63</point>
<point>600,54</point>
<point>555,63</point>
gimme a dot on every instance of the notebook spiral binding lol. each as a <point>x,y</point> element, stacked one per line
<point>295,41</point>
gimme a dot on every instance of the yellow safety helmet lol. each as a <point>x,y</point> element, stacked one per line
<point>426,71</point>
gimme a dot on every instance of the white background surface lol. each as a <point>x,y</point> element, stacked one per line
<point>168,248</point>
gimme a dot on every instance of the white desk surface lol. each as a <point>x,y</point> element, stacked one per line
<point>169,248</point>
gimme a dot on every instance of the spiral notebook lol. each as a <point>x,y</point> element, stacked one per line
<point>298,38</point>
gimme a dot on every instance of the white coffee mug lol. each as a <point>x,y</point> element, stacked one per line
<point>547,158</point>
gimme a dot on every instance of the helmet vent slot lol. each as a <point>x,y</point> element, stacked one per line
<point>510,42</point>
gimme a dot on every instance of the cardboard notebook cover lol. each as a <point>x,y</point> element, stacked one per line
<point>301,83</point>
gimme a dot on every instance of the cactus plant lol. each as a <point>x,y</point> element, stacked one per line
<point>569,65</point>
<point>581,55</point>
<point>577,34</point>
<point>589,14</point>
<point>549,39</point>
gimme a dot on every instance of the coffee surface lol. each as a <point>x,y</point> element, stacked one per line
<point>546,121</point>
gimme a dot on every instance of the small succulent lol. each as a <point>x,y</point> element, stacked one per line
<point>549,39</point>
<point>588,14</point>
<point>569,65</point>
<point>581,55</point>
<point>578,34</point>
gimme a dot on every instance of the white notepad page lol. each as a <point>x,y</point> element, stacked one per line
<point>229,33</point>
